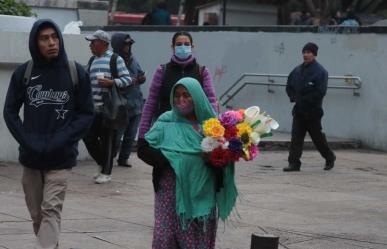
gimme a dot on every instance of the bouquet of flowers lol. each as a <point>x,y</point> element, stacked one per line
<point>234,135</point>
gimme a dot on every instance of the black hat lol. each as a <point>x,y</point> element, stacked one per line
<point>311,47</point>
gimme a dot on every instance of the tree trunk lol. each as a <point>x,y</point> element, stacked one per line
<point>311,7</point>
<point>190,12</point>
<point>112,10</point>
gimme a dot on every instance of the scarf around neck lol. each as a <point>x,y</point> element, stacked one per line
<point>180,143</point>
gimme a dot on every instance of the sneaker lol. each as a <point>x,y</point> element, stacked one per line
<point>102,178</point>
<point>123,163</point>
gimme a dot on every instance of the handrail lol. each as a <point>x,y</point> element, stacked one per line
<point>270,82</point>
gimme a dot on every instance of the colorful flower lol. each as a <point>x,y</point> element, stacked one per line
<point>234,135</point>
<point>243,128</point>
<point>219,157</point>
<point>245,138</point>
<point>239,115</point>
<point>213,128</point>
<point>209,143</point>
<point>255,137</point>
<point>230,132</point>
<point>228,119</point>
<point>235,146</point>
<point>234,157</point>
<point>253,151</point>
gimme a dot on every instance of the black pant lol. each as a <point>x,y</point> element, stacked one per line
<point>312,125</point>
<point>99,143</point>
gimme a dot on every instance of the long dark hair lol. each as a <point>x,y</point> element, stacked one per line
<point>181,33</point>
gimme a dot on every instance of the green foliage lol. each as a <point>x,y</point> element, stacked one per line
<point>134,5</point>
<point>10,7</point>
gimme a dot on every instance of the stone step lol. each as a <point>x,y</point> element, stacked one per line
<point>281,141</point>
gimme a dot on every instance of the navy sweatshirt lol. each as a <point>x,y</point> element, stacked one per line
<point>307,86</point>
<point>57,114</point>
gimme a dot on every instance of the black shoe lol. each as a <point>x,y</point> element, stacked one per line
<point>292,167</point>
<point>329,164</point>
<point>124,163</point>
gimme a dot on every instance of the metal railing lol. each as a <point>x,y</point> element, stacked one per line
<point>352,83</point>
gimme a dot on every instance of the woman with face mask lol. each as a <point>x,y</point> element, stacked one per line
<point>182,64</point>
<point>187,204</point>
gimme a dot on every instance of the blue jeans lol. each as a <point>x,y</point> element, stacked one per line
<point>128,135</point>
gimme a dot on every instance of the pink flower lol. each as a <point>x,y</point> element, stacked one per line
<point>253,151</point>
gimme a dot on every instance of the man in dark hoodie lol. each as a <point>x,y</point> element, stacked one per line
<point>307,86</point>
<point>57,114</point>
<point>122,45</point>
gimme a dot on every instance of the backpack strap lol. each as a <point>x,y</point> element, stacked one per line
<point>113,65</point>
<point>72,69</point>
<point>201,74</point>
<point>73,72</point>
<point>89,63</point>
<point>27,73</point>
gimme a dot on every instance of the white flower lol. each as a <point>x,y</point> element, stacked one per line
<point>252,115</point>
<point>255,137</point>
<point>273,124</point>
<point>225,145</point>
<point>209,144</point>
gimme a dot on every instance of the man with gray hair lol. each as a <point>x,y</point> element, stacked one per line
<point>105,69</point>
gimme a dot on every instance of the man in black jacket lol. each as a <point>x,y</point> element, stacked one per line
<point>307,86</point>
<point>57,114</point>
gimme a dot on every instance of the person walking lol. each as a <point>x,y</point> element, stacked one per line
<point>58,110</point>
<point>182,64</point>
<point>158,16</point>
<point>122,45</point>
<point>105,69</point>
<point>306,87</point>
<point>187,204</point>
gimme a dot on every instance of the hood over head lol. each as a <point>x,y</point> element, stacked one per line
<point>33,42</point>
<point>202,106</point>
<point>118,41</point>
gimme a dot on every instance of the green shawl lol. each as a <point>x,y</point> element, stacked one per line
<point>180,144</point>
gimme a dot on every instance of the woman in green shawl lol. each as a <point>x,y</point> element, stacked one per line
<point>187,205</point>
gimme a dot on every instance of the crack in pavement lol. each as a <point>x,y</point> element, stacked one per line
<point>318,236</point>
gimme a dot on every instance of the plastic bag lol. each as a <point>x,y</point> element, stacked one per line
<point>73,27</point>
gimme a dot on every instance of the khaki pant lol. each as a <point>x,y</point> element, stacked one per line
<point>44,194</point>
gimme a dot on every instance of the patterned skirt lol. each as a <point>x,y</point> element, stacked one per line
<point>168,233</point>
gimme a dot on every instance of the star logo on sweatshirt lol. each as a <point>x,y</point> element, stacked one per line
<point>61,113</point>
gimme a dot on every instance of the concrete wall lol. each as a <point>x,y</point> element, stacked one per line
<point>229,54</point>
<point>60,16</point>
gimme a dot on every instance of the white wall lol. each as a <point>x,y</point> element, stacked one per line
<point>61,16</point>
<point>229,54</point>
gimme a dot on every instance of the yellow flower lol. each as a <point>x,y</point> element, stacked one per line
<point>213,128</point>
<point>244,128</point>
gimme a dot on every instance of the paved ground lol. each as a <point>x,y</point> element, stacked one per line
<point>345,208</point>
